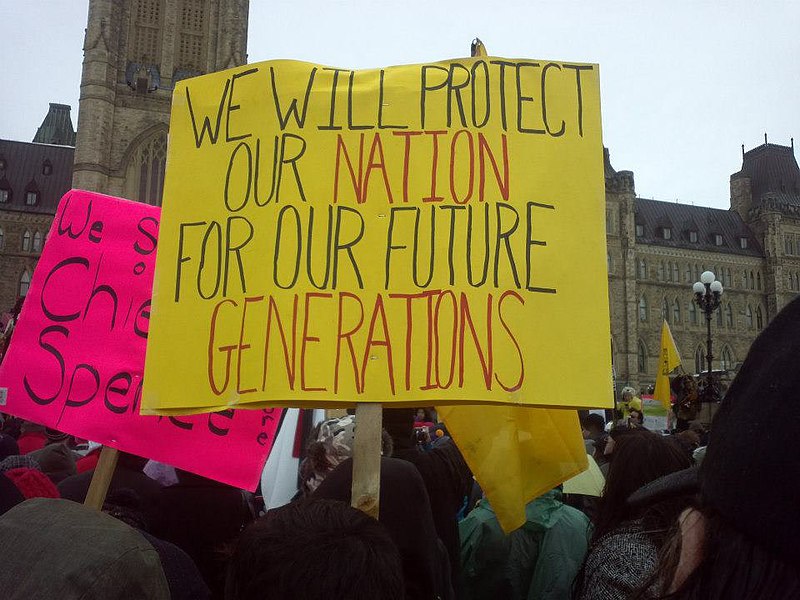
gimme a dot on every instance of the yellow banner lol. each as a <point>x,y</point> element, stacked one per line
<point>427,234</point>
<point>668,361</point>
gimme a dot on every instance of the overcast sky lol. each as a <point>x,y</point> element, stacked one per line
<point>684,82</point>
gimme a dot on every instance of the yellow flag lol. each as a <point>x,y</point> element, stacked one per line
<point>668,361</point>
<point>515,453</point>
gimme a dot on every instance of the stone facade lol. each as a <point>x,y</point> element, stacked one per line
<point>33,177</point>
<point>134,53</point>
<point>657,250</point>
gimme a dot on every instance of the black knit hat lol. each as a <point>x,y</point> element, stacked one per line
<point>751,474</point>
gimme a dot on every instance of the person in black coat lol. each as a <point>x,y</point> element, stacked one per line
<point>405,511</point>
<point>127,475</point>
<point>203,517</point>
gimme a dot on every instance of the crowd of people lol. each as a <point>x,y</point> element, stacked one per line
<point>698,513</point>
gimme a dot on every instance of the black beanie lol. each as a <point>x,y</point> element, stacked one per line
<point>751,473</point>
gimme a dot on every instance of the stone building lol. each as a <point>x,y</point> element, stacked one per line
<point>657,250</point>
<point>134,53</point>
<point>33,177</point>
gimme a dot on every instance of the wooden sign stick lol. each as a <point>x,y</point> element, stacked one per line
<point>101,479</point>
<point>365,493</point>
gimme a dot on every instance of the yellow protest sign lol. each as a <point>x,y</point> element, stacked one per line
<point>427,234</point>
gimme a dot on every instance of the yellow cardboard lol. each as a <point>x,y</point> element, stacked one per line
<point>424,234</point>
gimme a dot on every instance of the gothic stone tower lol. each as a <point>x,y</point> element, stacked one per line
<point>134,53</point>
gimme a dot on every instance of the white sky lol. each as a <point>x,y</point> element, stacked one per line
<point>684,82</point>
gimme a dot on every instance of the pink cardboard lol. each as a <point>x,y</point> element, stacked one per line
<point>77,353</point>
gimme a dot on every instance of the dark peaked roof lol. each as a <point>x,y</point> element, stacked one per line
<point>57,127</point>
<point>654,216</point>
<point>24,170</point>
<point>773,173</point>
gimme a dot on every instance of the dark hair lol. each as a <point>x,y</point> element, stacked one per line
<point>640,456</point>
<point>315,549</point>
<point>732,566</point>
<point>594,420</point>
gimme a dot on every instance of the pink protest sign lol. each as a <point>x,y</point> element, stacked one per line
<point>77,354</point>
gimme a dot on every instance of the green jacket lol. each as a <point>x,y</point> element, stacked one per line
<point>537,561</point>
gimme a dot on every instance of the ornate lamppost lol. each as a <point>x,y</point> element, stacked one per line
<point>707,295</point>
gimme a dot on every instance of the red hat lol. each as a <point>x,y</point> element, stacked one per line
<point>32,483</point>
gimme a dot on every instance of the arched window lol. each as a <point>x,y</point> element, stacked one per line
<point>744,279</point>
<point>696,272</point>
<point>26,241</point>
<point>748,317</point>
<point>729,315</point>
<point>144,178</point>
<point>790,281</point>
<point>642,357</point>
<point>661,272</point>
<point>759,318</point>
<point>676,312</point>
<point>797,281</point>
<point>642,269</point>
<point>752,281</point>
<point>665,310</point>
<point>726,359</point>
<point>699,360</point>
<point>692,313</point>
<point>729,278</point>
<point>758,280</point>
<point>2,238</point>
<point>24,283</point>
<point>676,273</point>
<point>37,241</point>
<point>689,274</point>
<point>642,309</point>
<point>719,317</point>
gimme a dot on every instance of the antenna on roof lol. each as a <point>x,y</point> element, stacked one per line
<point>742,150</point>
<point>765,137</point>
<point>791,141</point>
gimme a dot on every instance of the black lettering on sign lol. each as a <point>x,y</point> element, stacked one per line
<point>73,233</point>
<point>220,430</point>
<point>96,232</point>
<point>330,126</point>
<point>119,384</point>
<point>579,92</point>
<point>148,227</point>
<point>205,128</point>
<point>426,86</point>
<point>53,316</point>
<point>94,374</point>
<point>292,110</point>
<point>48,347</point>
<point>181,258</point>
<point>232,107</point>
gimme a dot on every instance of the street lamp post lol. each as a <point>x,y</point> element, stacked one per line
<point>707,295</point>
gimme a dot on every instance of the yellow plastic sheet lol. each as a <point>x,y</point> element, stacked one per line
<point>516,454</point>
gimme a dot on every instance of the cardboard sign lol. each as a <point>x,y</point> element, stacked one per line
<point>428,234</point>
<point>77,353</point>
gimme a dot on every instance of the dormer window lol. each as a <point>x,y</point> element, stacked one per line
<point>5,195</point>
<point>693,237</point>
<point>639,230</point>
<point>47,167</point>
<point>666,233</point>
<point>31,198</point>
<point>3,164</point>
<point>743,242</point>
<point>717,239</point>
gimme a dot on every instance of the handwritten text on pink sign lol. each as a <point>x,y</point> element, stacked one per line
<point>77,353</point>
